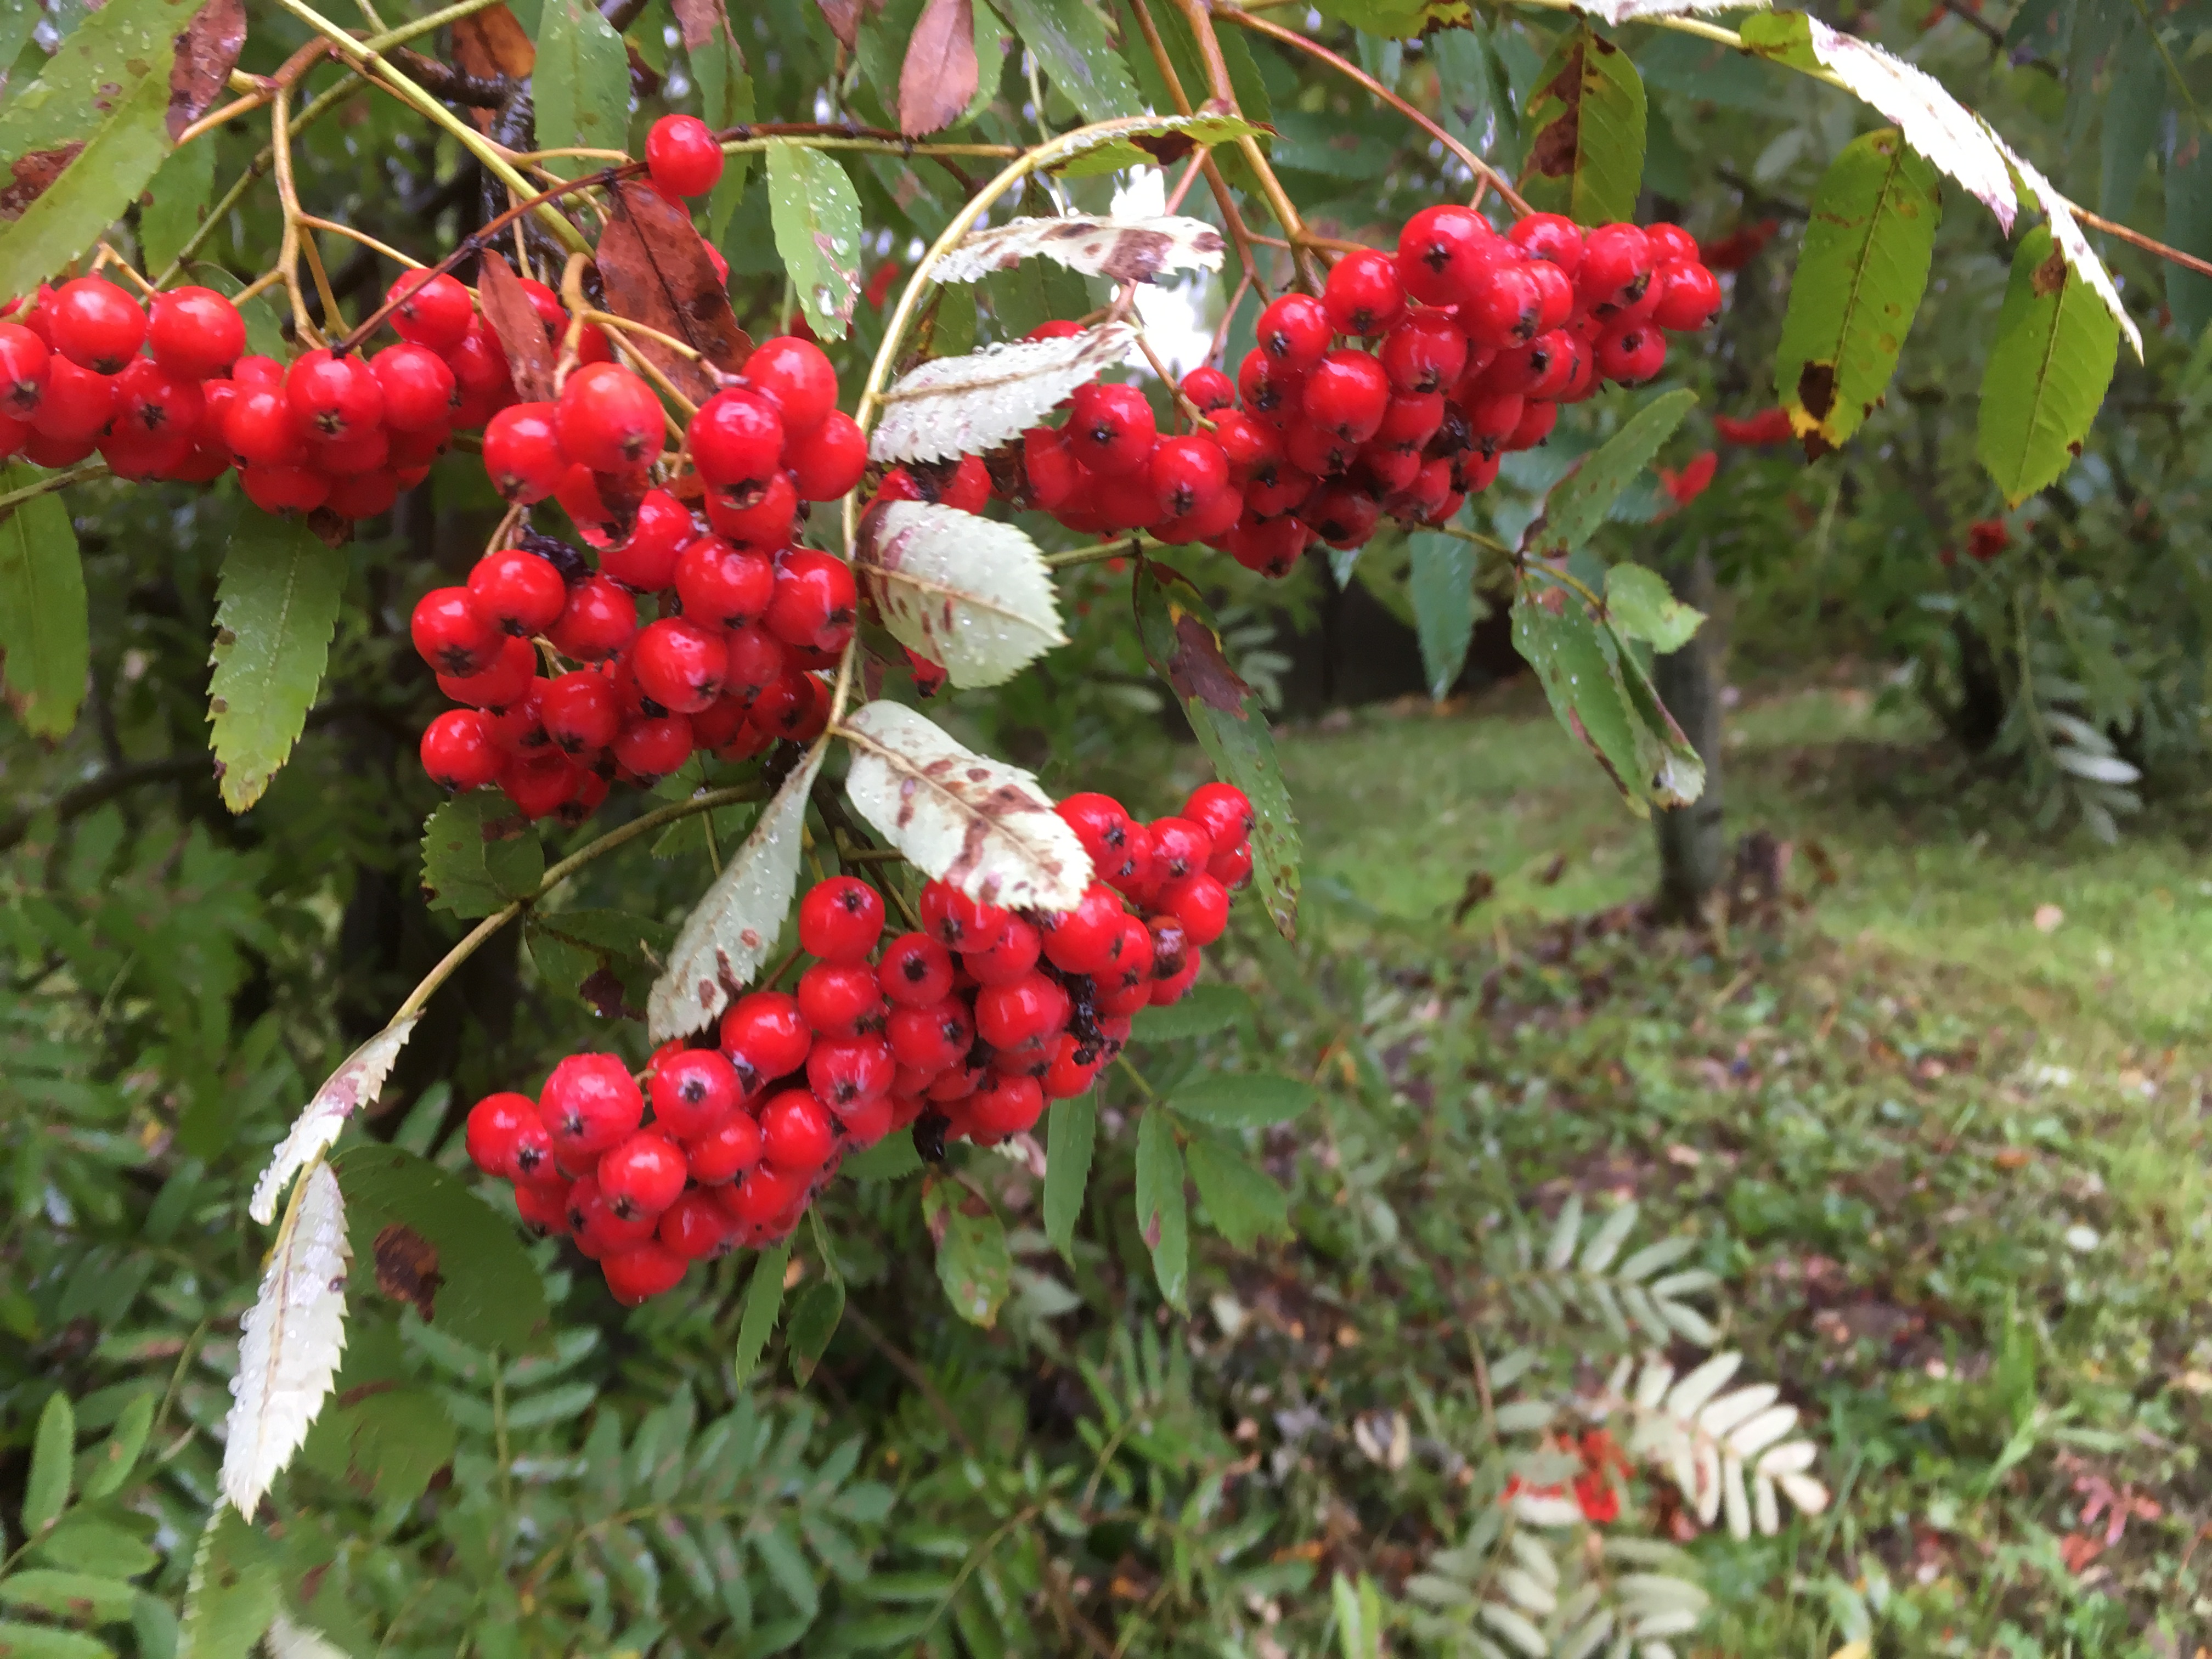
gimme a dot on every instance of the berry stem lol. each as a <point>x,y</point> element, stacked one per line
<point>50,482</point>
<point>287,251</point>
<point>368,241</point>
<point>1239,234</point>
<point>1122,547</point>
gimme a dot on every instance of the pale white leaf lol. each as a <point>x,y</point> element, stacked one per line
<point>1537,1560</point>
<point>1792,1457</point>
<point>966,406</point>
<point>1932,121</point>
<point>1724,1414</point>
<point>2098,768</point>
<point>354,1086</point>
<point>1736,1500</point>
<point>1763,1431</point>
<point>1121,250</point>
<point>1584,1640</point>
<point>1621,11</point>
<point>290,1342</point>
<point>1539,1509</point>
<point>1565,1235</point>
<point>1766,1511</point>
<point>1521,1589</point>
<point>1691,1393</point>
<point>1515,1629</point>
<point>1651,1650</point>
<point>977,824</point>
<point>1643,1594</point>
<point>1651,1388</point>
<point>2066,231</point>
<point>1652,1257</point>
<point>1803,1489</point>
<point>286,1640</point>
<point>1687,1322</point>
<point>969,593</point>
<point>1617,1382</point>
<point>1666,1624</point>
<point>1707,1460</point>
<point>1605,1242</point>
<point>730,931</point>
<point>1689,1282</point>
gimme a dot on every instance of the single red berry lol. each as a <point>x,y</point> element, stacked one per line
<point>1049,468</point>
<point>795,708</point>
<point>1670,242</point>
<point>1551,237</point>
<point>1294,329</point>
<point>1168,991</point>
<point>765,1036</point>
<point>724,1151</point>
<point>843,1072</point>
<point>1021,1014</point>
<point>814,600</point>
<point>649,750</point>
<point>758,518</point>
<point>1555,293</point>
<point>23,360</point>
<point>76,405</point>
<point>797,376</point>
<point>539,784</point>
<point>969,488</point>
<point>757,659</point>
<point>1427,352</point>
<point>1088,939</point>
<point>867,1120</point>
<point>599,1231</point>
<point>643,1271</point>
<point>1200,903</point>
<point>451,637</point>
<point>279,489</point>
<point>1342,515</point>
<point>915,971</point>
<point>737,439</point>
<point>762,1196</point>
<point>1412,418</point>
<point>1631,355</point>
<point>930,1039</point>
<point>1271,390</point>
<point>641,1175</point>
<point>1171,946</point>
<point>544,1209</point>
<point>1004,1106</point>
<point>826,463</point>
<point>1209,389</point>
<point>682,157</point>
<point>93,324</point>
<point>495,1129</point>
<point>1538,417</point>
<point>1689,296</point>
<point>1103,825</point>
<point>518,591</point>
<point>957,921</point>
<point>334,397</point>
<point>577,712</point>
<point>608,419</point>
<point>839,919</point>
<point>1492,415</point>
<point>1232,867</point>
<point>420,394</point>
<point>596,622</point>
<point>434,310</point>
<point>1441,253</point>
<point>1070,1075</point>
<point>694,1227</point>
<point>479,366</point>
<point>156,404</point>
<point>1318,451</point>
<point>678,664</point>
<point>1248,445</point>
<point>1222,811</point>
<point>589,1104</point>
<point>840,999</point>
<point>1615,271</point>
<point>723,586</point>
<point>797,1132</point>
<point>1111,426</point>
<point>194,332</point>
<point>645,562</point>
<point>1179,847</point>
<point>1362,295</point>
<point>1211,517</point>
<point>692,1091</point>
<point>512,673</point>
<point>1013,953</point>
<point>1184,471</point>
<point>1506,307</point>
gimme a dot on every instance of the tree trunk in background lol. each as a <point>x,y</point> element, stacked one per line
<point>1692,843</point>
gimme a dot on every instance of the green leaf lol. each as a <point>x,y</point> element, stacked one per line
<point>1113,152</point>
<point>277,606</point>
<point>1068,38</point>
<point>82,1544</point>
<point>1162,1217</point>
<point>46,1488</point>
<point>1400,19</point>
<point>1203,1008</point>
<point>385,1445</point>
<point>2189,227</point>
<point>1602,696</point>
<point>580,85</point>
<point>79,1597</point>
<point>816,215</point>
<point>232,1595</point>
<point>2047,371</point>
<point>891,1158</point>
<point>1241,1100</point>
<point>763,1301</point>
<point>487,1291</point>
<point>1578,503</point>
<point>973,1262</point>
<point>1859,282</point>
<point>45,641</point>
<point>478,854</point>
<point>1071,1139</point>
<point>176,203</point>
<point>725,100</point>
<point>1442,587</point>
<point>107,1468</point>
<point>1585,125</point>
<point>98,114</point>
<point>1184,647</point>
<point>606,959</point>
<point>1643,607</point>
<point>813,1322</point>
<point>44,1641</point>
<point>1244,1201</point>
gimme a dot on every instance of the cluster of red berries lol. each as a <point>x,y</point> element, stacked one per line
<point>962,1029</point>
<point>744,617</point>
<point>1475,340</point>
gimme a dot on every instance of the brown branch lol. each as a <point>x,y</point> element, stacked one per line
<point>453,85</point>
<point>2136,239</point>
<point>1238,232</point>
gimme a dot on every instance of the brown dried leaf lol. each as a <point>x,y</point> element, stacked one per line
<point>1200,672</point>
<point>521,331</point>
<point>699,19</point>
<point>407,1267</point>
<point>32,176</point>
<point>656,272</point>
<point>844,17</point>
<point>938,80</point>
<point>207,51</point>
<point>490,43</point>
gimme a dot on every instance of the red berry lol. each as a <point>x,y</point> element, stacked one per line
<point>495,1128</point>
<point>915,971</point>
<point>589,1104</point>
<point>1551,237</point>
<point>839,919</point>
<point>154,404</point>
<point>1362,295</point>
<point>757,519</point>
<point>682,157</point>
<point>737,439</point>
<point>649,750</point>
<point>641,1175</point>
<point>420,394</point>
<point>646,562</point>
<point>434,309</point>
<point>968,489</point>
<point>1427,352</point>
<point>334,397</point>
<point>1631,355</point>
<point>596,622</point>
<point>765,1037</point>
<point>1167,992</point>
<point>678,664</point>
<point>957,921</point>
<point>1222,811</point>
<point>1103,827</point>
<point>577,712</point>
<point>1020,1014</point>
<point>724,1151</point>
<point>930,1039</point>
<point>1013,953</point>
<point>257,426</point>
<point>1180,846</point>
<point>1068,1076</point>
<point>1616,270</point>
<point>1006,1106</point>
<point>795,707</point>
<point>1670,242</point>
<point>1342,515</point>
<point>757,661</point>
<point>539,785</point>
<point>544,1210</point>
<point>451,637</point>
<point>1209,389</point>
<point>840,999</point>
<point>1184,471</point>
<point>843,1072</point>
<point>1555,293</point>
<point>797,1134</point>
<point>1538,417</point>
<point>1317,450</point>
<point>1088,939</point>
<point>866,1122</point>
<point>76,405</point>
<point>608,419</point>
<point>814,600</point>
<point>509,679</point>
<point>1232,867</point>
<point>23,358</point>
<point>517,590</point>
<point>694,1227</point>
<point>1441,253</point>
<point>1689,296</point>
<point>641,1271</point>
<point>1049,468</point>
<point>1505,308</point>
<point>723,586</point>
<point>797,376</point>
<point>93,324</point>
<point>692,1091</point>
<point>1271,390</point>
<point>1200,903</point>
<point>826,463</point>
<point>275,489</point>
<point>1111,426</point>
<point>764,1194</point>
<point>194,332</point>
<point>1294,329</point>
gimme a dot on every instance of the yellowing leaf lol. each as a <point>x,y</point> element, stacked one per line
<point>970,593</point>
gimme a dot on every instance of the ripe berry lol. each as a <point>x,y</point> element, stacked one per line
<point>1103,827</point>
<point>724,1151</point>
<point>722,585</point>
<point>419,392</point>
<point>843,1072</point>
<point>495,1129</point>
<point>194,332</point>
<point>1020,1015</point>
<point>1200,903</point>
<point>508,680</point>
<point>1007,957</point>
<point>1294,329</point>
<point>840,999</point>
<point>867,1120</point>
<point>1209,389</point>
<point>757,519</point>
<point>1442,252</point>
<point>1006,1106</point>
<point>271,489</point>
<point>1179,847</point>
<point>1167,992</point>
<point>1362,295</point>
<point>1670,243</point>
<point>1504,308</point>
<point>764,1194</point>
<point>649,750</point>
<point>915,970</point>
<point>796,376</point>
<point>930,1039</point>
<point>1616,270</point>
<point>1537,419</point>
<point>1222,811</point>
<point>77,403</point>
<point>645,562</point>
<point>1248,445</point>
<point>839,919</point>
<point>434,309</point>
<point>257,425</point>
<point>93,324</point>
<point>1111,428</point>
<point>795,708</point>
<point>765,1036</point>
<point>827,462</point>
<point>968,489</point>
<point>1186,471</point>
<point>598,620</point>
<point>694,1227</point>
<point>957,921</point>
<point>756,661</point>
<point>814,600</point>
<point>678,664</point>
<point>589,1104</point>
<point>517,591</point>
<point>1552,237</point>
<point>1049,468</point>
<point>1555,293</point>
<point>1631,355</point>
<point>1069,1076</point>
<point>23,357</point>
<point>1342,516</point>
<point>1232,867</point>
<point>1211,517</point>
<point>334,397</point>
<point>797,1134</point>
<point>450,635</point>
<point>1088,939</point>
<point>608,419</point>
<point>737,439</point>
<point>1492,415</point>
<point>577,712</point>
<point>682,157</point>
<point>1412,418</point>
<point>153,403</point>
<point>692,1091</point>
<point>543,1210</point>
<point>1318,451</point>
<point>643,1271</point>
<point>1689,296</point>
<point>1270,389</point>
<point>641,1175</point>
<point>1427,352</point>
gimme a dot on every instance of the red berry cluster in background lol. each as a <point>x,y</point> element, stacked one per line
<point>744,618</point>
<point>965,1029</point>
<point>1472,342</point>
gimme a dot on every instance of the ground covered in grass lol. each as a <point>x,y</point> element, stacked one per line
<point>1939,1113</point>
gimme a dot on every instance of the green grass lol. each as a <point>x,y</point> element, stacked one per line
<point>1954,1163</point>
